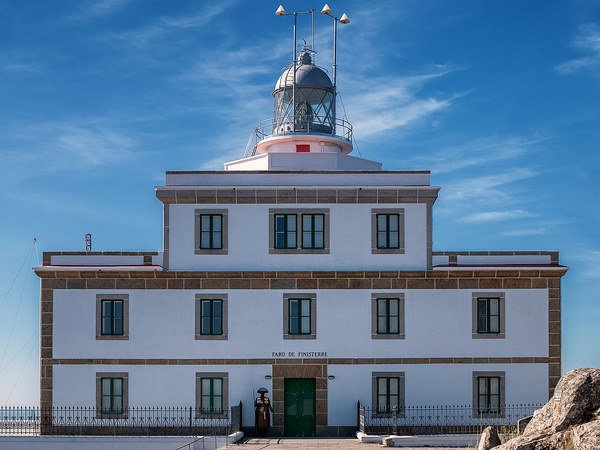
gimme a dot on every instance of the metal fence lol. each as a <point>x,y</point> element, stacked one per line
<point>460,419</point>
<point>139,421</point>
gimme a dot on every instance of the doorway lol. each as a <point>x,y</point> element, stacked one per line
<point>299,405</point>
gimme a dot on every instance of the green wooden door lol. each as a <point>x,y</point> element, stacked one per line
<point>299,407</point>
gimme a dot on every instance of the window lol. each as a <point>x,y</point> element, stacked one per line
<point>299,231</point>
<point>488,394</point>
<point>388,392</point>
<point>211,316</point>
<point>387,316</point>
<point>211,393</point>
<point>285,231</point>
<point>488,315</point>
<point>387,230</point>
<point>300,316</point>
<point>211,231</point>
<point>112,316</point>
<point>313,231</point>
<point>111,394</point>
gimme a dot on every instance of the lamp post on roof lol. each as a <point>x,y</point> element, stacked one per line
<point>282,12</point>
<point>344,20</point>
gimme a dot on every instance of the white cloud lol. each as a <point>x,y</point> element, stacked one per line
<point>490,188</point>
<point>587,41</point>
<point>481,152</point>
<point>383,104</point>
<point>495,216</point>
<point>525,232</point>
<point>48,148</point>
<point>142,36</point>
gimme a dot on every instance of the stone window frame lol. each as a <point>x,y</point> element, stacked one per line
<point>125,377</point>
<point>401,393</point>
<point>112,337</point>
<point>313,315</point>
<point>401,315</point>
<point>401,231</point>
<point>299,212</point>
<point>224,376</point>
<point>198,311</point>
<point>502,405</point>
<point>475,334</point>
<point>224,231</point>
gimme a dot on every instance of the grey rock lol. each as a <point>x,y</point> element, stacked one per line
<point>576,398</point>
<point>569,421</point>
<point>489,439</point>
<point>587,436</point>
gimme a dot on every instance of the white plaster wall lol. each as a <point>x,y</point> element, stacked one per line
<point>431,385</point>
<point>174,386</point>
<point>248,236</point>
<point>161,325</point>
<point>158,386</point>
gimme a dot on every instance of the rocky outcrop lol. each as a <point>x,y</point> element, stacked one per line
<point>489,439</point>
<point>569,421</point>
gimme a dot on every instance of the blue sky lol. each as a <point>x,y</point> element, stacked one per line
<point>99,98</point>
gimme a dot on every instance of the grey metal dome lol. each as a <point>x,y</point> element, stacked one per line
<point>307,75</point>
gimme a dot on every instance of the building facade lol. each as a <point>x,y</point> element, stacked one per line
<point>309,272</point>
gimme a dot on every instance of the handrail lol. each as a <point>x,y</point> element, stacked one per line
<point>269,127</point>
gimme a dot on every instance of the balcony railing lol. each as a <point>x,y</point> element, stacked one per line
<point>268,127</point>
<point>139,421</point>
<point>460,419</point>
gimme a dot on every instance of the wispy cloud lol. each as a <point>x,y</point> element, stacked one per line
<point>379,105</point>
<point>533,231</point>
<point>490,188</point>
<point>587,41</point>
<point>495,216</point>
<point>98,9</point>
<point>48,148</point>
<point>18,64</point>
<point>590,262</point>
<point>479,153</point>
<point>163,25</point>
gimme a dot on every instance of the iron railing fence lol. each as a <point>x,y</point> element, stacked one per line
<point>269,127</point>
<point>133,421</point>
<point>443,419</point>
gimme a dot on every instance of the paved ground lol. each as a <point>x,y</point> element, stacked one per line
<point>299,444</point>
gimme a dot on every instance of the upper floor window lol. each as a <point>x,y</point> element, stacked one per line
<point>211,231</point>
<point>300,316</point>
<point>285,231</point>
<point>313,231</point>
<point>111,393</point>
<point>387,316</point>
<point>112,316</point>
<point>211,316</point>
<point>488,315</point>
<point>387,230</point>
<point>299,230</point>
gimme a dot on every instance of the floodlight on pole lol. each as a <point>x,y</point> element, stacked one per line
<point>345,20</point>
<point>281,12</point>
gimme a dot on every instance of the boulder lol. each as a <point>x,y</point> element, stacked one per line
<point>587,436</point>
<point>489,439</point>
<point>576,399</point>
<point>569,421</point>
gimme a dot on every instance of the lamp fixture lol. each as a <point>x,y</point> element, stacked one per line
<point>268,377</point>
<point>280,11</point>
<point>331,377</point>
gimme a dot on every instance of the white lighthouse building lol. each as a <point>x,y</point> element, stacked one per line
<point>310,272</point>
